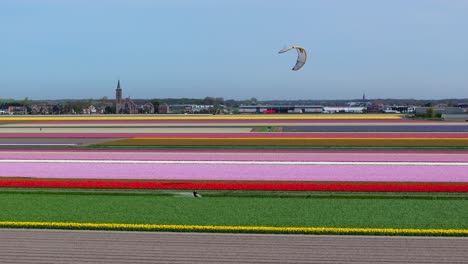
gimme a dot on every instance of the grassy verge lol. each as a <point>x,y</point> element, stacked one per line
<point>267,129</point>
<point>180,208</point>
<point>241,193</point>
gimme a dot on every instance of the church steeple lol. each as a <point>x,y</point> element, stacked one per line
<point>118,92</point>
<point>118,98</point>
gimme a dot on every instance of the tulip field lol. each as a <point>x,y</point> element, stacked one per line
<point>321,174</point>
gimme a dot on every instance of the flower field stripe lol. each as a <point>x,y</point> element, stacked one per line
<point>225,135</point>
<point>216,152</point>
<point>214,228</point>
<point>288,141</point>
<point>237,185</point>
<point>235,172</point>
<point>229,162</point>
<point>237,155</point>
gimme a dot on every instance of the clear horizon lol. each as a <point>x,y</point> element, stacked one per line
<point>78,49</point>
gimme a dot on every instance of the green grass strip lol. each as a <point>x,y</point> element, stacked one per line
<point>242,193</point>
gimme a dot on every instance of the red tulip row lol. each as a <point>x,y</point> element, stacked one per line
<point>238,185</point>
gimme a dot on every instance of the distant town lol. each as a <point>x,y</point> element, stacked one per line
<point>217,105</point>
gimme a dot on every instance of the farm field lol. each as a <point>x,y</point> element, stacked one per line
<point>290,171</point>
<point>179,208</point>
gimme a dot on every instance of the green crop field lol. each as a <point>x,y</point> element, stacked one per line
<point>252,210</point>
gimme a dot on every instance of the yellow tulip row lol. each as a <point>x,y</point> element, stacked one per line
<point>202,117</point>
<point>237,229</point>
<point>299,141</point>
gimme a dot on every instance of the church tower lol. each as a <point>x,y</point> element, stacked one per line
<point>118,98</point>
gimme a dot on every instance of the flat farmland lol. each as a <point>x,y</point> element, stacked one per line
<point>248,172</point>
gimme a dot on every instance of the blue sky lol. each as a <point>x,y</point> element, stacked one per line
<point>52,49</point>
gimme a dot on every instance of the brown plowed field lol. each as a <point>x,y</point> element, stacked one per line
<point>61,246</point>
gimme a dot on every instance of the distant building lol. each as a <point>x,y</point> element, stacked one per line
<point>41,109</point>
<point>128,107</point>
<point>300,109</point>
<point>345,109</point>
<point>17,110</point>
<point>421,111</point>
<point>258,109</point>
<point>398,109</point>
<point>89,110</point>
<point>4,111</point>
<point>57,109</point>
<point>147,108</point>
<point>190,108</point>
<point>375,108</point>
<point>200,108</point>
<point>163,108</point>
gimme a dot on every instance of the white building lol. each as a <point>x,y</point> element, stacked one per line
<point>344,109</point>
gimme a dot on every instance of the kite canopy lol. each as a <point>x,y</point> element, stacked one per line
<point>301,56</point>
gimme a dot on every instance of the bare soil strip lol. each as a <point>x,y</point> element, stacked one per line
<point>62,246</point>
